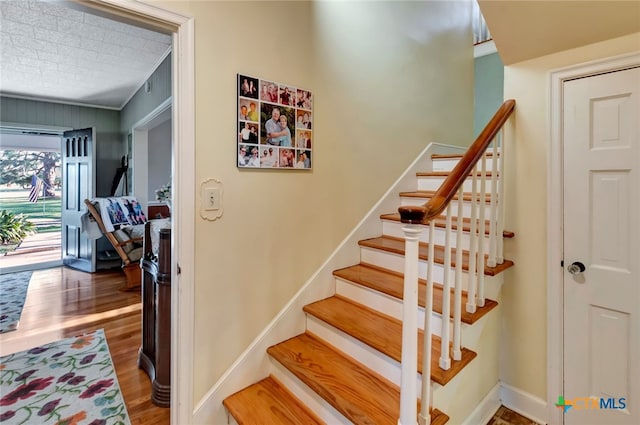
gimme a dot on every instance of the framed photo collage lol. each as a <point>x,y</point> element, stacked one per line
<point>275,125</point>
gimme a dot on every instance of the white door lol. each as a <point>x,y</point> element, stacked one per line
<point>78,184</point>
<point>601,142</point>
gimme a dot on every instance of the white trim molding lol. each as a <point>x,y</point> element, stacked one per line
<point>484,49</point>
<point>555,302</point>
<point>524,403</point>
<point>485,410</point>
<point>183,213</point>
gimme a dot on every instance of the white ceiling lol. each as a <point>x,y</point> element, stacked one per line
<point>525,30</point>
<point>51,51</point>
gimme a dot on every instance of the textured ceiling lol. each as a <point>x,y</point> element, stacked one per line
<point>49,51</point>
<point>525,30</point>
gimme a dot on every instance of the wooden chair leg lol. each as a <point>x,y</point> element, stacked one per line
<point>133,274</point>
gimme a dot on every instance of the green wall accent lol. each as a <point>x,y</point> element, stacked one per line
<point>142,103</point>
<point>109,147</point>
<point>489,88</point>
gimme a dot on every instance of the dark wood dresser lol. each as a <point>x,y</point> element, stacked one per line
<point>154,356</point>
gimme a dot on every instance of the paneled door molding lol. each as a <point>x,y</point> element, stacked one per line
<point>555,248</point>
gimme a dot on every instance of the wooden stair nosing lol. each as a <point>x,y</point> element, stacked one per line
<point>392,283</point>
<point>383,333</point>
<point>269,402</point>
<point>440,221</point>
<point>358,393</point>
<point>428,194</point>
<point>396,246</point>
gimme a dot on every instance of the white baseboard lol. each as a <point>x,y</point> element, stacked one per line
<point>485,410</point>
<point>524,403</point>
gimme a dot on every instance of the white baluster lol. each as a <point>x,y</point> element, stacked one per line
<point>473,245</point>
<point>501,203</point>
<point>493,214</point>
<point>408,389</point>
<point>457,294</point>
<point>482,230</point>
<point>425,415</point>
<point>445,359</point>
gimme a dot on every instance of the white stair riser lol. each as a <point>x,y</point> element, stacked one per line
<point>433,183</point>
<point>444,164</point>
<point>364,354</point>
<point>395,262</point>
<point>311,399</point>
<point>371,358</point>
<point>466,205</point>
<point>449,164</point>
<point>386,304</point>
<point>394,228</point>
<point>367,356</point>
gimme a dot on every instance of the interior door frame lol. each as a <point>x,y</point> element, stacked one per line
<point>183,171</point>
<point>140,141</point>
<point>555,209</point>
<point>13,126</point>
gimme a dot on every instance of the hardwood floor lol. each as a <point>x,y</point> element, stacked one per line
<point>62,302</point>
<point>506,416</point>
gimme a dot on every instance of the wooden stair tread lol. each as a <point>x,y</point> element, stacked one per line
<point>358,393</point>
<point>440,221</point>
<point>428,194</point>
<point>392,283</point>
<point>382,332</point>
<point>396,246</point>
<point>269,402</point>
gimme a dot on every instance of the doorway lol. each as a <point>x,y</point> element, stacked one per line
<point>152,156</point>
<point>30,198</point>
<point>183,181</point>
<point>594,296</point>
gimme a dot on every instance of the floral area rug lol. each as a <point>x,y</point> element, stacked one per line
<point>13,291</point>
<point>67,382</point>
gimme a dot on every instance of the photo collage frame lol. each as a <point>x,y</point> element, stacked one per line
<point>275,125</point>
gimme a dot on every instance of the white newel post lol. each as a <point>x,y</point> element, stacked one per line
<point>409,372</point>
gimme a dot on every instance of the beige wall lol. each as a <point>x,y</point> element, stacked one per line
<point>388,78</point>
<point>523,361</point>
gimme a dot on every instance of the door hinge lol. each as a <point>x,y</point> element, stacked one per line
<point>561,263</point>
<point>179,270</point>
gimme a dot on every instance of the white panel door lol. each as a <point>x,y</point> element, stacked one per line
<point>78,184</point>
<point>601,142</point>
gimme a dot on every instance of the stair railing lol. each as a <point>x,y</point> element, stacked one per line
<point>479,252</point>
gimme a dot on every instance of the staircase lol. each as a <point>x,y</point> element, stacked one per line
<point>346,367</point>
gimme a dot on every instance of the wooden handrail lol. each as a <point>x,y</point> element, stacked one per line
<point>422,214</point>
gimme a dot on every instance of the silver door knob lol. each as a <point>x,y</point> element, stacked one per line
<point>576,267</point>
